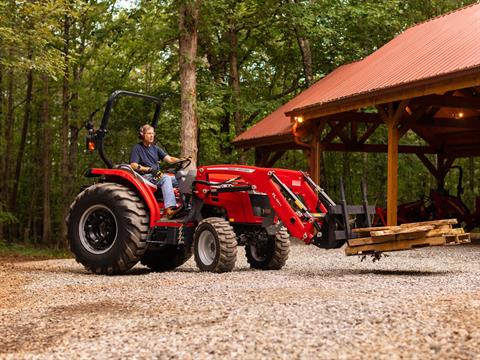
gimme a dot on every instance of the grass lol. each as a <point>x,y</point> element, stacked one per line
<point>30,252</point>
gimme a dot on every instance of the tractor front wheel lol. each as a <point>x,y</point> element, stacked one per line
<point>269,252</point>
<point>107,228</point>
<point>215,245</point>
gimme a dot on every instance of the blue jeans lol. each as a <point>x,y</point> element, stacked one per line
<point>166,183</point>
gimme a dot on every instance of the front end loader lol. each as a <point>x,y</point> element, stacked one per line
<point>120,219</point>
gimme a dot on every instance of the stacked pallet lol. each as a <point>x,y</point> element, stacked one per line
<point>405,237</point>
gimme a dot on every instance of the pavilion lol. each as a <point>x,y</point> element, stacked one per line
<point>426,80</point>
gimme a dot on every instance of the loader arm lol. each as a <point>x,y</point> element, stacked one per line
<point>294,200</point>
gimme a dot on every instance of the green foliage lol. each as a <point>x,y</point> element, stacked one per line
<point>136,48</point>
<point>22,251</point>
<point>6,217</point>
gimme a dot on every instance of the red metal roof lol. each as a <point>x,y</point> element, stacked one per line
<point>441,46</point>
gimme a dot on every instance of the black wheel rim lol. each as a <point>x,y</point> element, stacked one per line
<point>98,229</point>
<point>259,249</point>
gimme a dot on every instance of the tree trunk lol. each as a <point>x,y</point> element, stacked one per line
<point>36,168</point>
<point>188,23</point>
<point>23,139</point>
<point>64,174</point>
<point>235,79</point>
<point>6,171</point>
<point>74,130</point>
<point>235,84</point>
<point>46,163</point>
<point>2,182</point>
<point>304,45</point>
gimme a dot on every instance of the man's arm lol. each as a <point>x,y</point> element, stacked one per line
<point>137,167</point>
<point>135,159</point>
<point>170,159</point>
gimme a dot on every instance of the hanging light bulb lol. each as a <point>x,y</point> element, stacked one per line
<point>298,119</point>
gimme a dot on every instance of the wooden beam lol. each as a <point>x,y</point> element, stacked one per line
<point>412,119</point>
<point>378,148</point>
<point>393,117</point>
<point>273,159</point>
<point>428,164</point>
<point>354,116</point>
<point>353,132</point>
<point>392,174</point>
<point>462,150</point>
<point>448,163</point>
<point>261,156</point>
<point>465,123</point>
<point>334,132</point>
<point>444,164</point>
<point>275,140</point>
<point>460,137</point>
<point>316,152</point>
<point>340,133</point>
<point>427,135</point>
<point>368,133</point>
<point>462,102</point>
<point>400,112</point>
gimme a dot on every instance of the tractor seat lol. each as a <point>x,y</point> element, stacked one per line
<point>128,168</point>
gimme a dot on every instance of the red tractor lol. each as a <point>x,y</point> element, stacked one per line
<point>120,220</point>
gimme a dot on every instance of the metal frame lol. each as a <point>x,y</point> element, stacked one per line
<point>101,132</point>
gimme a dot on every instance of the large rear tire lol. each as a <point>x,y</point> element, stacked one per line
<point>107,228</point>
<point>269,252</point>
<point>215,245</point>
<point>167,258</point>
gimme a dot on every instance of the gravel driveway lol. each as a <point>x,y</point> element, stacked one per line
<point>416,304</point>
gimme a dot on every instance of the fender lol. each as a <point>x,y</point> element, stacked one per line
<point>145,191</point>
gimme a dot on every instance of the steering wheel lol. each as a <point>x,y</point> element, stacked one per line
<point>179,165</point>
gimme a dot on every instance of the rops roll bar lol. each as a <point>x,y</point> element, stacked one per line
<point>99,135</point>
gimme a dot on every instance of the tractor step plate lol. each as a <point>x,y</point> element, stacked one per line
<point>405,237</point>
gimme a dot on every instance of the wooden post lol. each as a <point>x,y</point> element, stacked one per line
<point>392,116</point>
<point>392,175</point>
<point>316,150</point>
<point>315,159</point>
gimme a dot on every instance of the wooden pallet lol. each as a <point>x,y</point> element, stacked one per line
<point>405,237</point>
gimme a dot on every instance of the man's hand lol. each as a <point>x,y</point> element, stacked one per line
<point>140,168</point>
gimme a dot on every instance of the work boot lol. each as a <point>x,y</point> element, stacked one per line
<point>172,211</point>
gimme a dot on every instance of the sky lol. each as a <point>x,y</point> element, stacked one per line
<point>125,3</point>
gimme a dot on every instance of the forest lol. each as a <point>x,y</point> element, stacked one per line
<point>61,59</point>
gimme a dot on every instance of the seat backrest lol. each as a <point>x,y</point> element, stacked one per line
<point>128,168</point>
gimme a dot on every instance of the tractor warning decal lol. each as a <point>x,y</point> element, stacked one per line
<point>296,183</point>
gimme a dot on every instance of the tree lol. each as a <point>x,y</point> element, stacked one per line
<point>188,23</point>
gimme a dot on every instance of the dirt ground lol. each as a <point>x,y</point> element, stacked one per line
<point>416,304</point>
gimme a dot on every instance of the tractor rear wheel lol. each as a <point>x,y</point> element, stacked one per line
<point>107,228</point>
<point>269,252</point>
<point>215,245</point>
<point>167,258</point>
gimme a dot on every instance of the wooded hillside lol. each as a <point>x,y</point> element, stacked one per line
<point>60,60</point>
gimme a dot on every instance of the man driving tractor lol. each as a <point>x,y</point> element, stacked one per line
<point>144,159</point>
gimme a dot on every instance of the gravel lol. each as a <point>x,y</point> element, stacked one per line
<point>415,304</point>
